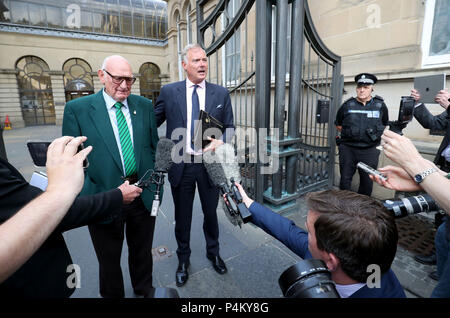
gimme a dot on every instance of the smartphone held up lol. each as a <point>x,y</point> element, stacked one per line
<point>38,152</point>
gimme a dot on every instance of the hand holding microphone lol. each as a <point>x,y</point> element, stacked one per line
<point>163,162</point>
<point>222,166</point>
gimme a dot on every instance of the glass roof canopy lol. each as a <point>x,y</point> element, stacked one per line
<point>139,19</point>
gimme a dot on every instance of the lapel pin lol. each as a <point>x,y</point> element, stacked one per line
<point>134,112</point>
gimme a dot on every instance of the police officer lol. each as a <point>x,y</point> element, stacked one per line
<point>361,122</point>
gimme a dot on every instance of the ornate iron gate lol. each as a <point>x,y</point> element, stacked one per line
<point>285,87</point>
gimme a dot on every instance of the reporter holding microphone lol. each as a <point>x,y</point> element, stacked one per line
<point>340,222</point>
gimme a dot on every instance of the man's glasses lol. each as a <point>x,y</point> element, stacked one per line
<point>119,79</point>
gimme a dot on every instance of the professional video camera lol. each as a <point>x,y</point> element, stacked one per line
<point>405,115</point>
<point>411,205</point>
<point>308,279</point>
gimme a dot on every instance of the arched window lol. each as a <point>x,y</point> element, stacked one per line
<point>35,89</point>
<point>149,81</point>
<point>77,78</point>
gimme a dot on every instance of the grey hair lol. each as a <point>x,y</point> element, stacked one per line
<point>105,61</point>
<point>186,50</point>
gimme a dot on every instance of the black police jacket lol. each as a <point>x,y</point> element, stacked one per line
<point>362,126</point>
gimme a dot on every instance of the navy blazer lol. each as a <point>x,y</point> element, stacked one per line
<point>438,122</point>
<point>44,275</point>
<point>296,239</point>
<point>171,107</point>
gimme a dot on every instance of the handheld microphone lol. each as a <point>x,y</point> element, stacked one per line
<point>163,162</point>
<point>226,157</point>
<point>242,208</point>
<point>217,175</point>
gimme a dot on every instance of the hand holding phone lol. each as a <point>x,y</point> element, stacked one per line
<point>371,170</point>
<point>38,151</point>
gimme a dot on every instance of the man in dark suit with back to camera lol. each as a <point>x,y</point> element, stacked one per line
<point>179,104</point>
<point>442,158</point>
<point>361,122</point>
<point>121,127</point>
<point>45,273</point>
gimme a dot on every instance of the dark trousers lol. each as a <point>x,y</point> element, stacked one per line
<point>183,198</point>
<point>138,226</point>
<point>348,159</point>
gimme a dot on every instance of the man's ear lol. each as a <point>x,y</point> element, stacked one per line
<point>331,261</point>
<point>101,76</point>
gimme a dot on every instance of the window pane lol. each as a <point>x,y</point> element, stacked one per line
<point>5,14</point>
<point>37,14</point>
<point>19,12</point>
<point>112,22</point>
<point>99,20</point>
<point>138,22</point>
<point>86,21</point>
<point>124,3</point>
<point>126,22</point>
<point>54,17</point>
<point>150,26</point>
<point>136,3</point>
<point>440,38</point>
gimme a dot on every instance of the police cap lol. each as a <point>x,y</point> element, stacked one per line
<point>365,79</point>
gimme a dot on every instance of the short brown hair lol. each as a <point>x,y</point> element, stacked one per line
<point>356,228</point>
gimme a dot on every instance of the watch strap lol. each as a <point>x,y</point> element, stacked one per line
<point>421,176</point>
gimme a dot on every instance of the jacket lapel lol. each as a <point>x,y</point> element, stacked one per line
<point>101,121</point>
<point>209,98</point>
<point>181,99</point>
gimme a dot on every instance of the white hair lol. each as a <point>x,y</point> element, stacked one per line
<point>186,50</point>
<point>105,61</point>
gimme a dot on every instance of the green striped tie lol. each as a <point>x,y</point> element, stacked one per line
<point>125,142</point>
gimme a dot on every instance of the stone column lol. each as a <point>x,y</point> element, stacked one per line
<point>59,95</point>
<point>136,88</point>
<point>10,99</point>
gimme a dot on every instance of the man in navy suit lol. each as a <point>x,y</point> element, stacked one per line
<point>350,232</point>
<point>179,104</point>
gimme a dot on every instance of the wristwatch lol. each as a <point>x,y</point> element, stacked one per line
<point>421,176</point>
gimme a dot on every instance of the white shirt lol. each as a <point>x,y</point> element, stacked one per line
<point>346,291</point>
<point>201,92</point>
<point>110,102</point>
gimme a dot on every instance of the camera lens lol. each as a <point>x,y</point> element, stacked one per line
<point>411,205</point>
<point>308,279</point>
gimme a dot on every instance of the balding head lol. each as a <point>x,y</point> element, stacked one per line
<point>114,68</point>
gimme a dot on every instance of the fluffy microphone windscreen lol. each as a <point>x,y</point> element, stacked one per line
<point>216,173</point>
<point>227,159</point>
<point>163,157</point>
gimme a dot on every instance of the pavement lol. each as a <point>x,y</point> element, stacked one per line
<point>255,260</point>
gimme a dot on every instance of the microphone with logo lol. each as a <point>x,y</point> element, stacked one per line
<point>163,162</point>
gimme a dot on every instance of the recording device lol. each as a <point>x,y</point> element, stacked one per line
<point>38,152</point>
<point>223,169</point>
<point>242,208</point>
<point>235,209</point>
<point>308,279</point>
<point>371,170</point>
<point>405,115</point>
<point>217,175</point>
<point>411,205</point>
<point>163,162</point>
